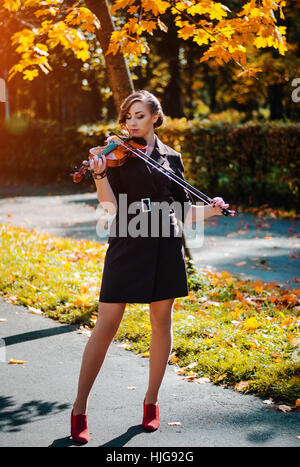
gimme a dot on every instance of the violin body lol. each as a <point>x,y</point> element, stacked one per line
<point>115,154</point>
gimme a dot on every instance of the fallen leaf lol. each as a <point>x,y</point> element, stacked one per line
<point>191,376</point>
<point>221,377</point>
<point>2,320</point>
<point>202,380</point>
<point>241,385</point>
<point>174,423</point>
<point>35,311</point>
<point>16,362</point>
<point>268,401</point>
<point>131,388</point>
<point>10,299</point>
<point>146,354</point>
<point>293,254</point>
<point>284,408</point>
<point>251,324</point>
<point>192,365</point>
<point>173,359</point>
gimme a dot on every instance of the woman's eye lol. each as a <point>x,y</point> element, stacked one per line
<point>142,116</point>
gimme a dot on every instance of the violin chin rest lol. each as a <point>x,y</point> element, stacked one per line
<point>138,140</point>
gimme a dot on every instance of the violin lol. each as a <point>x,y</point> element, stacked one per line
<point>116,155</point>
<point>117,152</point>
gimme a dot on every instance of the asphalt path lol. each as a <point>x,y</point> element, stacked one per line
<point>37,397</point>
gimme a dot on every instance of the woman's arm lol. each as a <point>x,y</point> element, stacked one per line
<point>106,196</point>
<point>199,213</point>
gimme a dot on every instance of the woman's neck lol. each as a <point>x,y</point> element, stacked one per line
<point>150,138</point>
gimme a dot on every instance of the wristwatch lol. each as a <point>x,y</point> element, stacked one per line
<point>99,176</point>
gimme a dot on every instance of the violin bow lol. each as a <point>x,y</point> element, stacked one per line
<point>183,183</point>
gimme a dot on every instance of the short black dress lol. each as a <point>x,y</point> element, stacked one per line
<point>139,268</point>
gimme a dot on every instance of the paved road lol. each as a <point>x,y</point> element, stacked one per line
<point>36,397</point>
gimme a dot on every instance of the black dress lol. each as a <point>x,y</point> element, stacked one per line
<point>144,269</point>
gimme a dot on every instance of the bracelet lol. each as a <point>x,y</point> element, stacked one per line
<point>99,175</point>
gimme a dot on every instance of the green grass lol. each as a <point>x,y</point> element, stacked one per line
<point>228,330</point>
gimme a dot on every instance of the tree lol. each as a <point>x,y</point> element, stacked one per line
<point>226,33</point>
<point>52,24</point>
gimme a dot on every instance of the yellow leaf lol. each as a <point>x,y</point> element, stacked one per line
<point>251,324</point>
<point>241,385</point>
<point>146,354</point>
<point>221,377</point>
<point>17,362</point>
<point>173,359</point>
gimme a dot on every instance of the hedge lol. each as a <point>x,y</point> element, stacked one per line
<point>247,164</point>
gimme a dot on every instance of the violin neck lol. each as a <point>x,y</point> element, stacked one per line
<point>110,147</point>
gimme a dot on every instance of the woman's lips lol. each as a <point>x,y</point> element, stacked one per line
<point>133,131</point>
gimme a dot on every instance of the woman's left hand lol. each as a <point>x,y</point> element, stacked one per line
<point>217,205</point>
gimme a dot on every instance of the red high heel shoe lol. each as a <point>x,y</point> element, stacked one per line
<point>151,417</point>
<point>79,428</point>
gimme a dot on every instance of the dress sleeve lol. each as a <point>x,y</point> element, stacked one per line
<point>178,192</point>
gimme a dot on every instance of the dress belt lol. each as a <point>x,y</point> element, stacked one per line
<point>146,203</point>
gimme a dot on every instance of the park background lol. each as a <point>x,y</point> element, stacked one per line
<point>234,116</point>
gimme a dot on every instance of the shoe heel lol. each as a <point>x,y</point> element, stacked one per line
<point>79,428</point>
<point>151,417</point>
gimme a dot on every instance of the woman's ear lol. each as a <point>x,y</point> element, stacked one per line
<point>155,118</point>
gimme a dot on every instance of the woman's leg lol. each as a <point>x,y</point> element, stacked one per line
<point>161,345</point>
<point>109,319</point>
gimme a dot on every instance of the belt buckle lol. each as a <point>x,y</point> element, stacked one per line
<point>148,201</point>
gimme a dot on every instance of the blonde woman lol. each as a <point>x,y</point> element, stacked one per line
<point>139,269</point>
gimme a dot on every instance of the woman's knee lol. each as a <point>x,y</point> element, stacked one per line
<point>110,315</point>
<point>161,315</point>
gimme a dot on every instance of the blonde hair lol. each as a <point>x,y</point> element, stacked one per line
<point>141,96</point>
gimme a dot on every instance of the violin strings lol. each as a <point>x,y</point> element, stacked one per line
<point>173,176</point>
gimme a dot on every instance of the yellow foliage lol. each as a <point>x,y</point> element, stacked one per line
<point>251,324</point>
<point>203,22</point>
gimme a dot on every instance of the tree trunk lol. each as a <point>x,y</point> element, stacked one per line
<point>275,98</point>
<point>172,98</point>
<point>117,70</point>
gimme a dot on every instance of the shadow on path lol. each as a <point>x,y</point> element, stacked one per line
<point>29,336</point>
<point>13,419</point>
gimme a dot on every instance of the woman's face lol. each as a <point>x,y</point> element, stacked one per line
<point>139,120</point>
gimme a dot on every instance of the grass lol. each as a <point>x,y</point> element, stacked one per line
<point>234,332</point>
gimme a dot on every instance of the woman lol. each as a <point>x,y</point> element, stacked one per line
<point>139,268</point>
